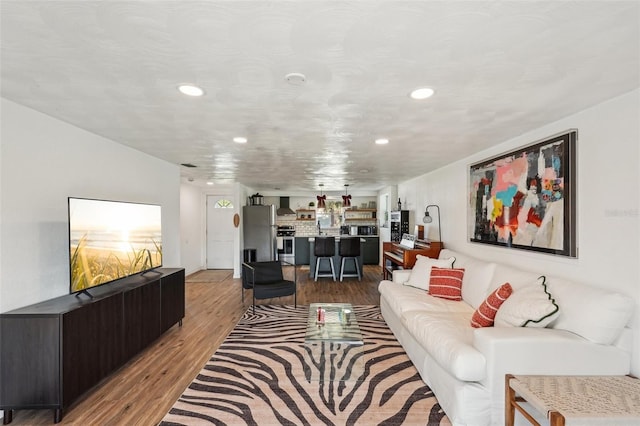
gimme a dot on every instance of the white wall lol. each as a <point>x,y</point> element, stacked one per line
<point>607,202</point>
<point>44,161</point>
<point>192,228</point>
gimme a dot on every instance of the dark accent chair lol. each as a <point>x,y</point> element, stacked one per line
<point>349,249</point>
<point>267,281</point>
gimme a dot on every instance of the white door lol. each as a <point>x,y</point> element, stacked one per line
<point>220,232</point>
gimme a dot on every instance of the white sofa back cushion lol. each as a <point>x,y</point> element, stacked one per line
<point>596,314</point>
<point>477,276</point>
<point>516,277</point>
<point>421,271</point>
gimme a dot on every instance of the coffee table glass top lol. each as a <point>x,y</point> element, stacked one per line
<point>340,324</point>
<point>334,350</point>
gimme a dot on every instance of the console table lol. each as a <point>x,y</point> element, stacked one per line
<point>54,351</point>
<point>574,400</point>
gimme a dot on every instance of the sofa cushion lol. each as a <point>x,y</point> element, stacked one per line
<point>403,298</point>
<point>518,278</point>
<point>446,283</point>
<point>477,276</point>
<point>529,306</point>
<point>448,338</point>
<point>486,312</point>
<point>421,271</point>
<point>596,314</point>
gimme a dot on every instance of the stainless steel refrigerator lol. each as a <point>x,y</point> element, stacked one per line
<point>259,230</point>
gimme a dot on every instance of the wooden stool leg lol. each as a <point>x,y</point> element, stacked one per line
<point>556,419</point>
<point>509,401</point>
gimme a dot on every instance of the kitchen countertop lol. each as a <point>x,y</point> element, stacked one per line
<point>337,237</point>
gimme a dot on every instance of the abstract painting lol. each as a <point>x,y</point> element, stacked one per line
<point>525,199</point>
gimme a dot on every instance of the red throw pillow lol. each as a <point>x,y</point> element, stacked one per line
<point>486,312</point>
<point>446,283</point>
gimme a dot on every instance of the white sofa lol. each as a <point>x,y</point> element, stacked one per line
<point>465,366</point>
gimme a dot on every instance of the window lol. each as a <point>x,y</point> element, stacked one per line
<point>223,204</point>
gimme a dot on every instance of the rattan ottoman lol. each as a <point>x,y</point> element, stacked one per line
<point>574,400</point>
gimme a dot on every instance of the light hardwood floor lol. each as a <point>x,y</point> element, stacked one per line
<point>144,389</point>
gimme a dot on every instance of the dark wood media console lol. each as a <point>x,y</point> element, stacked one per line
<point>54,351</point>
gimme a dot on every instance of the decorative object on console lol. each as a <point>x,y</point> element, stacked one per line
<point>428,219</point>
<point>529,306</point>
<point>321,198</point>
<point>485,314</point>
<point>422,269</point>
<point>346,198</point>
<point>526,198</point>
<point>446,283</point>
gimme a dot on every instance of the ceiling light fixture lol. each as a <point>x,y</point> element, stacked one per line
<point>190,90</point>
<point>240,139</point>
<point>321,198</point>
<point>209,183</point>
<point>346,198</point>
<point>422,93</point>
<point>382,141</point>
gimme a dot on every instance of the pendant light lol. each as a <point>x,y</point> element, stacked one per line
<point>321,198</point>
<point>346,198</point>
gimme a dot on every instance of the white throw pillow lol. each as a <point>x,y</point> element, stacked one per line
<point>529,306</point>
<point>421,271</point>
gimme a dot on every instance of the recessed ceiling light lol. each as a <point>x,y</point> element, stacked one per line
<point>209,183</point>
<point>422,93</point>
<point>190,90</point>
<point>240,139</point>
<point>382,141</point>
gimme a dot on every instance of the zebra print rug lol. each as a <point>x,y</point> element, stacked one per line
<point>257,377</point>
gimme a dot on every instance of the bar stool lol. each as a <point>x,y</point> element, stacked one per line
<point>349,249</point>
<point>324,248</point>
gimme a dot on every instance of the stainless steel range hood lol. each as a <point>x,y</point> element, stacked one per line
<point>284,209</point>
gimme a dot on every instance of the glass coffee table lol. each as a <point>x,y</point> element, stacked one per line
<point>334,349</point>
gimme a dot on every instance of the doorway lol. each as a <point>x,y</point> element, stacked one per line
<point>220,232</point>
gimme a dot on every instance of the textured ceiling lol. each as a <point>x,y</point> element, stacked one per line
<point>499,68</point>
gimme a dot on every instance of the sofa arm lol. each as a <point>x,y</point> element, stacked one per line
<point>401,276</point>
<point>522,350</point>
<point>544,351</point>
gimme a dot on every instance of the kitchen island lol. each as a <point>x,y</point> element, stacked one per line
<point>349,267</point>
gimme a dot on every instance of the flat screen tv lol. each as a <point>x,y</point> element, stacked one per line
<point>110,240</point>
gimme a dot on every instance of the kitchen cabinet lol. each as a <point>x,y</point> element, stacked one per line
<point>371,254</point>
<point>359,214</point>
<point>302,250</point>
